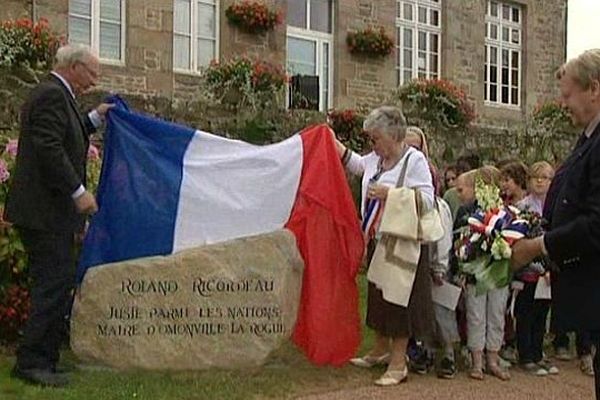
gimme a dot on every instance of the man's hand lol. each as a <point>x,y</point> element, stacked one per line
<point>103,108</point>
<point>525,251</point>
<point>86,203</point>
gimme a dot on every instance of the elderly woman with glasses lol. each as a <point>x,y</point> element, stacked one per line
<point>381,170</point>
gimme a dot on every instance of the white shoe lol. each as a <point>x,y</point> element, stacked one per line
<point>534,369</point>
<point>368,361</point>
<point>562,354</point>
<point>392,377</point>
<point>551,369</point>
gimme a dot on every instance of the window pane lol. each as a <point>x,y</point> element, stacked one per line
<point>408,38</point>
<point>494,9</point>
<point>494,31</point>
<point>111,10</point>
<point>435,18</point>
<point>181,52</point>
<point>320,15</point>
<point>423,15</point>
<point>206,21</point>
<point>408,12</point>
<point>515,77</point>
<point>433,63</point>
<point>302,56</point>
<point>493,55</point>
<point>505,34</point>
<point>206,52</point>
<point>407,76</point>
<point>493,93</point>
<point>296,13</point>
<point>422,41</point>
<point>515,97</point>
<point>181,16</point>
<point>422,61</point>
<point>433,43</point>
<point>408,62</point>
<point>493,74</point>
<point>504,76</point>
<point>80,7</point>
<point>515,59</point>
<point>515,15</point>
<point>505,94</point>
<point>110,41</point>
<point>79,30</point>
<point>515,36</point>
<point>506,12</point>
<point>505,58</point>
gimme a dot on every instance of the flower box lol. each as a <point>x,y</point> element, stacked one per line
<point>370,42</point>
<point>253,16</point>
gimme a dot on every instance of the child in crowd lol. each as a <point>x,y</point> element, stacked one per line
<point>514,175</point>
<point>485,313</point>
<point>531,313</point>
<point>445,317</point>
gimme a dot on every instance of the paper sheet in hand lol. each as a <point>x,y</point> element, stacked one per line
<point>446,295</point>
<point>542,289</point>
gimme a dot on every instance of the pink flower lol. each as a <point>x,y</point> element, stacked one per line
<point>93,153</point>
<point>12,147</point>
<point>4,174</point>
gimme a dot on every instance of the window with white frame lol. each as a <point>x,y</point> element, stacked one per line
<point>195,33</point>
<point>309,45</point>
<point>418,39</point>
<point>503,54</point>
<point>99,24</point>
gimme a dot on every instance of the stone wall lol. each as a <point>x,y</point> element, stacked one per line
<point>543,47</point>
<point>361,81</point>
<point>358,81</point>
<point>15,9</point>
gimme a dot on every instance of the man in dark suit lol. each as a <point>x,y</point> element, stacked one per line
<point>48,203</point>
<point>573,238</point>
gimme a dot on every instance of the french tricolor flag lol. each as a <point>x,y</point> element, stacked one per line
<point>166,187</point>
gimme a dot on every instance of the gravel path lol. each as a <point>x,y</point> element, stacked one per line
<point>570,384</point>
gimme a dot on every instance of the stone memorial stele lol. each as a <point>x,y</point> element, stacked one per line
<point>227,305</point>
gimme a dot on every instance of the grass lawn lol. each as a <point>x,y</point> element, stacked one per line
<point>287,375</point>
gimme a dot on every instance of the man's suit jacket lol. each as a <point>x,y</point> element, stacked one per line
<point>573,240</point>
<point>51,161</point>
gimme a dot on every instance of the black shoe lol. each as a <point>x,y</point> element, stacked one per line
<point>42,377</point>
<point>447,369</point>
<point>419,361</point>
<point>64,368</point>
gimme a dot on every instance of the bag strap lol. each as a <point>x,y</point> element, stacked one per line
<point>402,175</point>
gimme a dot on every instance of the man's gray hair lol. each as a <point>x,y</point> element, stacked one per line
<point>72,53</point>
<point>388,120</point>
<point>583,69</point>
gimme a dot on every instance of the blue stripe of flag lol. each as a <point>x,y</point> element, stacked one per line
<point>139,189</point>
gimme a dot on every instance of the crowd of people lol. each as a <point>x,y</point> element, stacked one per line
<point>48,202</point>
<point>504,326</point>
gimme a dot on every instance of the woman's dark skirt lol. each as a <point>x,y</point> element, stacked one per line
<point>394,321</point>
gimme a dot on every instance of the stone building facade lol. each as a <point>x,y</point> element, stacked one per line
<point>502,53</point>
